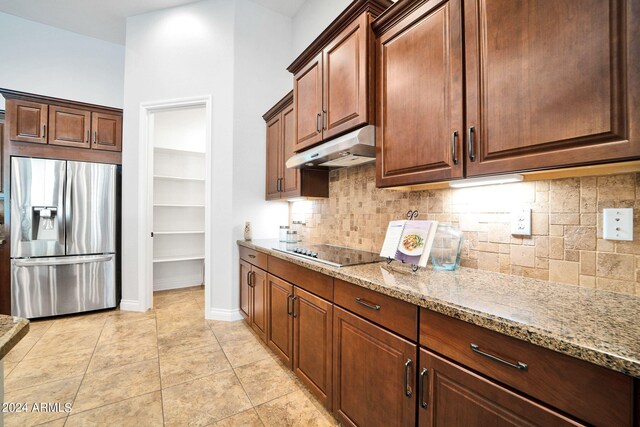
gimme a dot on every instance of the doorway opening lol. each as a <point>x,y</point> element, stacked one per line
<point>176,139</point>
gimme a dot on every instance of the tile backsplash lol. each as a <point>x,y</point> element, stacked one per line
<point>566,243</point>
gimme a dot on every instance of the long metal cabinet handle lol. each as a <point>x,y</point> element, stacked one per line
<point>60,261</point>
<point>88,136</point>
<point>454,157</point>
<point>293,305</point>
<point>318,117</point>
<point>289,310</point>
<point>324,119</point>
<point>95,136</point>
<point>472,155</point>
<point>249,278</point>
<point>44,131</point>
<point>517,365</point>
<point>423,375</point>
<point>253,279</point>
<point>367,304</point>
<point>407,389</point>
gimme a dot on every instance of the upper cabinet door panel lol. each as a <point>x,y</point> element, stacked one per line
<point>346,85</point>
<point>420,97</point>
<point>274,154</point>
<point>107,132</point>
<point>27,121</point>
<point>291,177</point>
<point>548,83</point>
<point>307,102</point>
<point>69,127</point>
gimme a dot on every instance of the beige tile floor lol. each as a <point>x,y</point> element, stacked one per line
<point>165,367</point>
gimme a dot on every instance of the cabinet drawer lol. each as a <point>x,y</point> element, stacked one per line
<point>399,316</point>
<point>254,257</point>
<point>589,392</point>
<point>309,280</point>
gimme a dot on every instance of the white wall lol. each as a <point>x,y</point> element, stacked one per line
<point>311,19</point>
<point>181,129</point>
<point>49,61</point>
<point>191,51</point>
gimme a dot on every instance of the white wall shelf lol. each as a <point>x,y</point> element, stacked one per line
<point>177,205</point>
<point>178,258</point>
<point>177,178</point>
<point>179,151</point>
<point>168,233</point>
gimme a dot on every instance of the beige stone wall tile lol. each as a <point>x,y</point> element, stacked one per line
<point>614,285</point>
<point>556,248</point>
<point>589,219</point>
<point>504,248</point>
<point>540,224</point>
<point>564,218</point>
<point>571,255</point>
<point>523,255</point>
<point>628,247</point>
<point>587,281</point>
<point>542,185</point>
<point>605,245</point>
<point>499,233</point>
<point>542,263</point>
<point>564,195</point>
<point>588,263</point>
<point>488,261</point>
<point>564,272</point>
<point>615,266</point>
<point>536,273</point>
<point>542,246</point>
<point>616,187</point>
<point>580,238</point>
<point>556,230</point>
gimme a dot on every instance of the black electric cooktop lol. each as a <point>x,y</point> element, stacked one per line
<point>337,256</point>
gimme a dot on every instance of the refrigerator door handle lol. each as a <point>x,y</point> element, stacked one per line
<point>61,261</point>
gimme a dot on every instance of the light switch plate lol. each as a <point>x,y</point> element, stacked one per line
<point>521,222</point>
<point>617,224</point>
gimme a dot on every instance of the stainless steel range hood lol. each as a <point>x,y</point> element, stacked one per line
<point>354,148</point>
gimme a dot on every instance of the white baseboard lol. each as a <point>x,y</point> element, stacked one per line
<point>130,305</point>
<point>224,314</point>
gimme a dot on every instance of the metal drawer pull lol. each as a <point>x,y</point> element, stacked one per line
<point>454,157</point>
<point>318,119</point>
<point>407,389</point>
<point>517,365</point>
<point>289,310</point>
<point>293,306</point>
<point>423,375</point>
<point>249,278</point>
<point>367,304</point>
<point>472,155</point>
<point>251,256</point>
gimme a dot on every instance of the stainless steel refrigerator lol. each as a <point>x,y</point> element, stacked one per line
<point>63,237</point>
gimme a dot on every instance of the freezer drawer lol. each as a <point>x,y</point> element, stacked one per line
<point>50,286</point>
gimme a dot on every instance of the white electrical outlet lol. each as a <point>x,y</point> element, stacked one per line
<point>618,224</point>
<point>521,222</point>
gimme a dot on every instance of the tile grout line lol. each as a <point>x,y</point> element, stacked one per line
<point>85,370</point>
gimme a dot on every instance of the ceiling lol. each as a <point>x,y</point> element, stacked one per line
<point>106,20</point>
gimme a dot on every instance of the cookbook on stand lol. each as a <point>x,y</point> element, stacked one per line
<point>409,241</point>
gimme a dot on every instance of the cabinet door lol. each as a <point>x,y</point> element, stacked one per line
<point>307,104</point>
<point>346,79</point>
<point>259,302</point>
<point>550,83</point>
<point>419,88</point>
<point>280,320</point>
<point>450,395</point>
<point>312,331</point>
<point>107,131</point>
<point>274,157</point>
<point>245,291</point>
<point>1,158</point>
<point>290,185</point>
<point>373,374</point>
<point>69,127</point>
<point>27,121</point>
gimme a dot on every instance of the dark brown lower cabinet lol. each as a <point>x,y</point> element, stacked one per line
<point>374,374</point>
<point>300,333</point>
<point>280,323</point>
<point>451,396</point>
<point>312,343</point>
<point>253,297</point>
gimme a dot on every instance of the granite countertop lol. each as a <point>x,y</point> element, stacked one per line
<point>12,330</point>
<point>593,325</point>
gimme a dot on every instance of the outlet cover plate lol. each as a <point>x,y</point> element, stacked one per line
<point>521,222</point>
<point>617,224</point>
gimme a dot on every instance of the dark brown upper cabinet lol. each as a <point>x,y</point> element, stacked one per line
<point>282,182</point>
<point>333,82</point>
<point>107,131</point>
<point>420,111</point>
<point>27,121</point>
<point>69,127</point>
<point>548,84</point>
<point>56,128</point>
